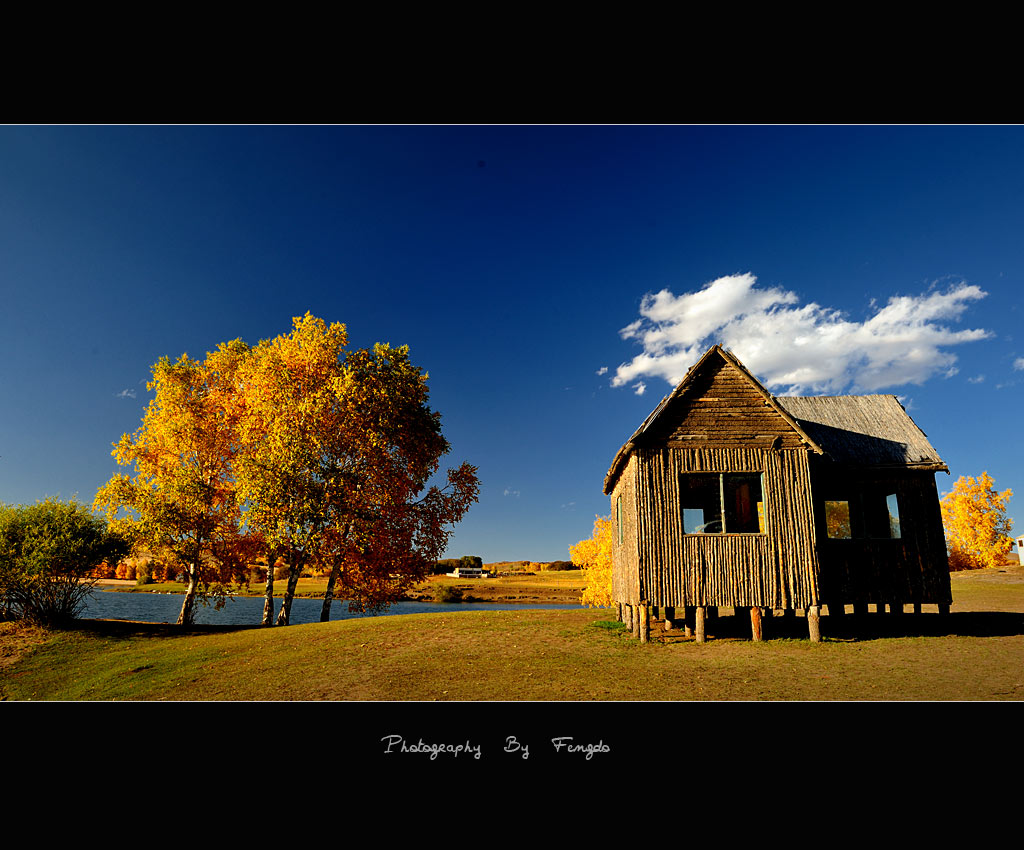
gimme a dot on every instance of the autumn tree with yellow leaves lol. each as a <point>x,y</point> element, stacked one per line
<point>182,501</point>
<point>594,557</point>
<point>337,448</point>
<point>977,528</point>
<point>298,450</point>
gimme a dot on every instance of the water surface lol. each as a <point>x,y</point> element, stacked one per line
<point>248,610</point>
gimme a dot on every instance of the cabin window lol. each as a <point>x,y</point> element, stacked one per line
<point>722,503</point>
<point>873,514</point>
<point>882,515</point>
<point>837,520</point>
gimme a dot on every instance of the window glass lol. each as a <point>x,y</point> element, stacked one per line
<point>744,510</point>
<point>837,520</point>
<point>701,496</point>
<point>881,515</point>
<point>894,515</point>
<point>722,503</point>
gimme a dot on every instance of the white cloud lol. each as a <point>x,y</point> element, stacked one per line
<point>128,393</point>
<point>1018,363</point>
<point>638,387</point>
<point>978,380</point>
<point>510,492</point>
<point>796,348</point>
<point>602,370</point>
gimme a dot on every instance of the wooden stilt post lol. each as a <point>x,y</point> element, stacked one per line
<point>670,615</point>
<point>637,616</point>
<point>813,624</point>
<point>700,630</point>
<point>618,611</point>
<point>755,624</point>
<point>627,611</point>
<point>645,622</point>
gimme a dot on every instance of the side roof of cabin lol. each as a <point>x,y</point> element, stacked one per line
<point>720,402</point>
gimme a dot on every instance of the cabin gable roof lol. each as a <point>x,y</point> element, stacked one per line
<point>717,402</point>
<point>720,401</point>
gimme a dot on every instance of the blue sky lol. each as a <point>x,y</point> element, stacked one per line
<point>517,263</point>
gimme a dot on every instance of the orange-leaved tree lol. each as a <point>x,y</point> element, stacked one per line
<point>594,557</point>
<point>287,425</point>
<point>977,528</point>
<point>336,449</point>
<point>181,500</point>
<point>385,452</point>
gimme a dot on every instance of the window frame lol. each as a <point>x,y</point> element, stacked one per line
<point>863,502</point>
<point>723,515</point>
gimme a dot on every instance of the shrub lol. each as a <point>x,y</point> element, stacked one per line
<point>144,573</point>
<point>448,593</point>
<point>47,553</point>
<point>560,565</point>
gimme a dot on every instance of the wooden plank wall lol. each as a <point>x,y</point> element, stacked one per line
<point>911,569</point>
<point>722,408</point>
<point>625,574</point>
<point>777,569</point>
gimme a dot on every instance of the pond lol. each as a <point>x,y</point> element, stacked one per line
<point>248,610</point>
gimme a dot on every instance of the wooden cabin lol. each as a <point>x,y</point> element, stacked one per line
<point>729,496</point>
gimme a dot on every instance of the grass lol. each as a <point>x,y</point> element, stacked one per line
<point>976,653</point>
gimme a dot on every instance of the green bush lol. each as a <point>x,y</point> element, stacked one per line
<point>447,593</point>
<point>47,553</point>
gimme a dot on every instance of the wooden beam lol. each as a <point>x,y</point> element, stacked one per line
<point>755,624</point>
<point>700,630</point>
<point>813,624</point>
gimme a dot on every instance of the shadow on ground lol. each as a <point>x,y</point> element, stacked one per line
<point>852,627</point>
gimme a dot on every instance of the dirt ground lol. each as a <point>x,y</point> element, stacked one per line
<point>1011,573</point>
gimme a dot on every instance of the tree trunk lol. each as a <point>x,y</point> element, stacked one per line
<point>325,612</point>
<point>289,593</point>
<point>188,607</point>
<point>268,596</point>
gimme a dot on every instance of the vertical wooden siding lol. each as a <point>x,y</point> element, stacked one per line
<point>625,575</point>
<point>777,569</point>
<point>912,568</point>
